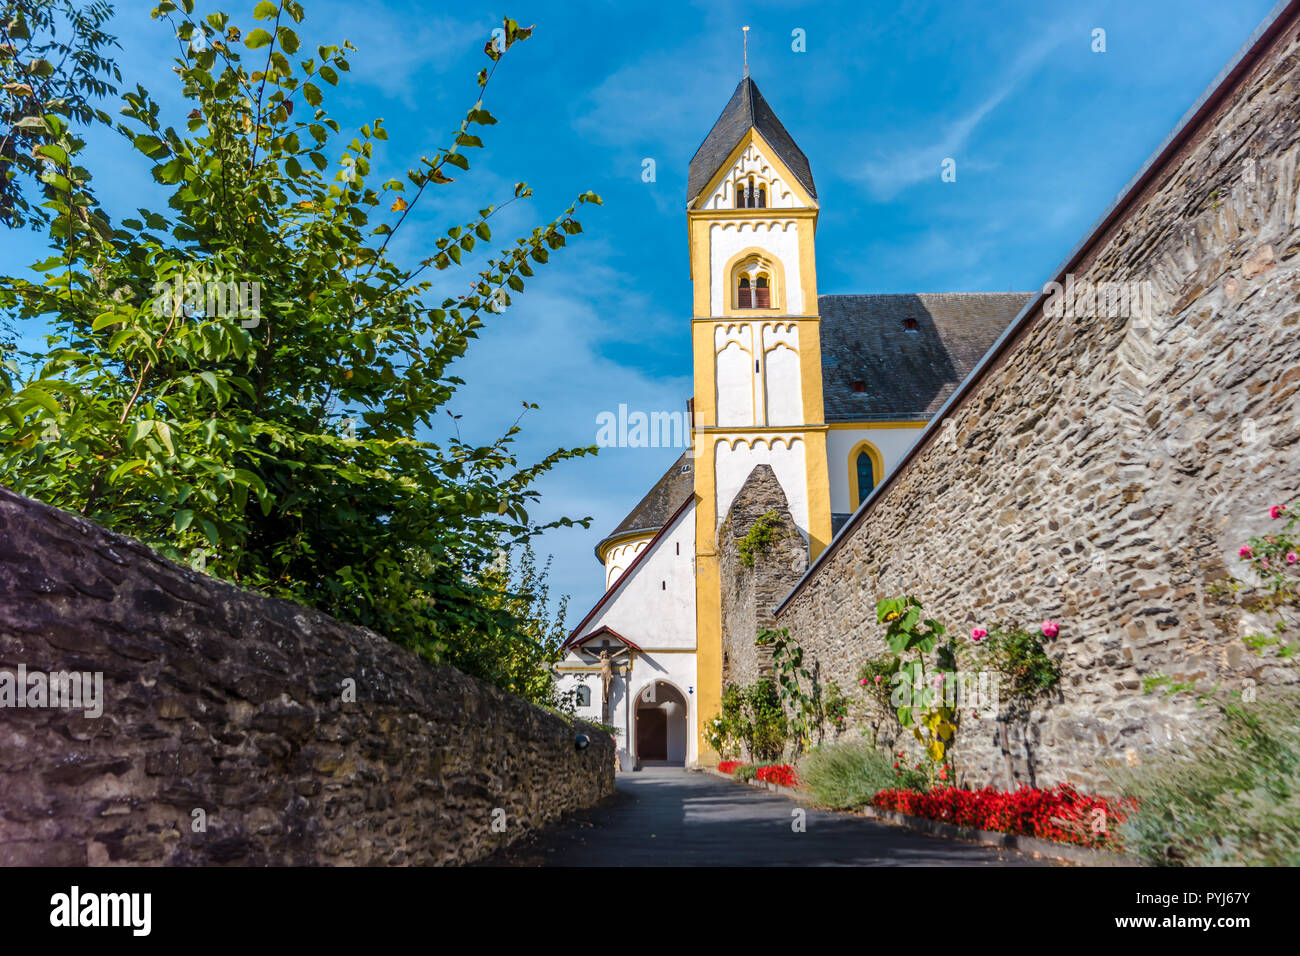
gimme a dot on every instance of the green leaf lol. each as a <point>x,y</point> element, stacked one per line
<point>258,39</point>
<point>137,431</point>
<point>182,519</point>
<point>165,436</point>
<point>123,468</point>
<point>211,381</point>
<point>210,529</point>
<point>171,172</point>
<point>41,398</point>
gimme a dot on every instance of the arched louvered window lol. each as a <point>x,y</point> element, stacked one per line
<point>866,477</point>
<point>744,295</point>
<point>762,294</point>
<point>762,197</point>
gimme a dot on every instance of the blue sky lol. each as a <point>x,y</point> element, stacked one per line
<point>1044,131</point>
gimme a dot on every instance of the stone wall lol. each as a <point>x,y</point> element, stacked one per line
<point>750,593</point>
<point>228,707</point>
<point>1102,472</point>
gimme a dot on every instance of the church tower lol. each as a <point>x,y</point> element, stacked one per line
<point>755,334</point>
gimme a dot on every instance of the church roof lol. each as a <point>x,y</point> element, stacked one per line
<point>906,374</point>
<point>746,108</point>
<point>660,503</point>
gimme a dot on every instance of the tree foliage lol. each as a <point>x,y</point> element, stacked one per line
<point>245,378</point>
<point>53,60</point>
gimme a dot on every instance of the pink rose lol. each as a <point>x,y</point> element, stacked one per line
<point>1291,557</point>
<point>1275,512</point>
<point>864,681</point>
<point>1245,552</point>
<point>878,678</point>
<point>1051,629</point>
<point>978,633</point>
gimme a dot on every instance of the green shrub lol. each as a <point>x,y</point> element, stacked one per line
<point>746,771</point>
<point>761,533</point>
<point>766,730</point>
<point>1232,799</point>
<point>850,774</point>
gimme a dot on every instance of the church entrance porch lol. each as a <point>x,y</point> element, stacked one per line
<point>661,726</point>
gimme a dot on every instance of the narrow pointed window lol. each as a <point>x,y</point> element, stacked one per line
<point>744,296</point>
<point>762,197</point>
<point>762,294</point>
<point>866,476</point>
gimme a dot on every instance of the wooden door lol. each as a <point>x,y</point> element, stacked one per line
<point>652,734</point>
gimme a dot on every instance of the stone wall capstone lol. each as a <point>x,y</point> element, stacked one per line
<point>1104,471</point>
<point>231,704</point>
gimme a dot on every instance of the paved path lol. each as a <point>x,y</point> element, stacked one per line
<point>666,816</point>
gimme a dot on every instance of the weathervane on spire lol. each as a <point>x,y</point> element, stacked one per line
<point>745,30</point>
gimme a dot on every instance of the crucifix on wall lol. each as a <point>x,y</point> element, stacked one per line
<point>611,663</point>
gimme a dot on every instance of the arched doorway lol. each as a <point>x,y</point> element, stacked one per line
<point>661,723</point>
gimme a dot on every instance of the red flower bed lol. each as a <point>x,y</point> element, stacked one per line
<point>729,766</point>
<point>780,774</point>
<point>1062,814</point>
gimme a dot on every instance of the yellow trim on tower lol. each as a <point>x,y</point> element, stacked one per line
<point>866,426</point>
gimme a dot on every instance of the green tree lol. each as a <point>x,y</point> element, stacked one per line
<point>52,61</point>
<point>520,650</point>
<point>242,378</point>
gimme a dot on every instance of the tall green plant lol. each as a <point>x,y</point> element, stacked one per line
<point>244,377</point>
<point>765,728</point>
<point>921,697</point>
<point>794,683</point>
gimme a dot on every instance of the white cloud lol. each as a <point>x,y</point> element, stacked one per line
<point>891,173</point>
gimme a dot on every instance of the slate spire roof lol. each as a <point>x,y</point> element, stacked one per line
<point>746,108</point>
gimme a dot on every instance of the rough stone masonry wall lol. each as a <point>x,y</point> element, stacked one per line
<point>1105,473</point>
<point>231,703</point>
<point>749,594</point>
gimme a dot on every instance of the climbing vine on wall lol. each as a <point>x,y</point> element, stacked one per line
<point>764,531</point>
<point>794,683</point>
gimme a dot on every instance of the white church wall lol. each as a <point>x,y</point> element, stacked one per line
<point>783,385</point>
<point>893,443</point>
<point>779,238</point>
<point>569,680</point>
<point>655,609</point>
<point>734,348</point>
<point>735,457</point>
<point>655,606</point>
